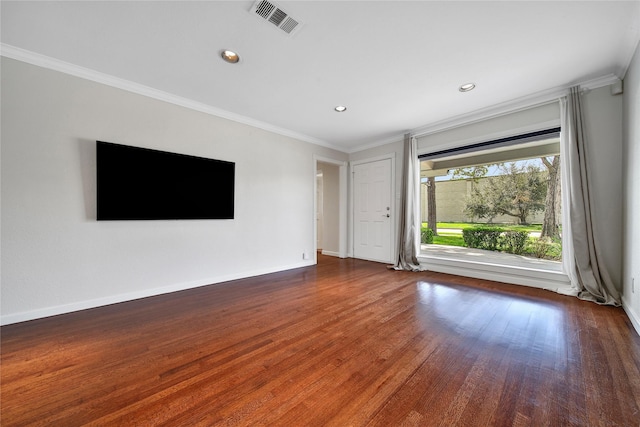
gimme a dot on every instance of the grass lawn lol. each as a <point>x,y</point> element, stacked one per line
<point>448,239</point>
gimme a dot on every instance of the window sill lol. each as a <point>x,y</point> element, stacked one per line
<point>504,268</point>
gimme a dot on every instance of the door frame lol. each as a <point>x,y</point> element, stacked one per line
<point>393,200</point>
<point>342,205</point>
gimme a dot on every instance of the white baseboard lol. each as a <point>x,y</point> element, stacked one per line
<point>330,253</point>
<point>114,299</point>
<point>633,316</point>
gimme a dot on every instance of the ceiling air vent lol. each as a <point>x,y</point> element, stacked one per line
<point>274,14</point>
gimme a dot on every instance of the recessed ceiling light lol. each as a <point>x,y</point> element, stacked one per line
<point>467,87</point>
<point>340,108</point>
<point>230,56</point>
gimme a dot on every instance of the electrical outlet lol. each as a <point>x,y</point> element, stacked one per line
<point>305,255</point>
<point>633,285</point>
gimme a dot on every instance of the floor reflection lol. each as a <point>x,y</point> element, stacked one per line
<point>508,321</point>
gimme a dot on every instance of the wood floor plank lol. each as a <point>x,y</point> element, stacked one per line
<point>343,343</point>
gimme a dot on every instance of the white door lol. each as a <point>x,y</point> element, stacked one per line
<point>372,211</point>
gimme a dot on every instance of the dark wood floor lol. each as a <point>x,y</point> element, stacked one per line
<point>346,343</point>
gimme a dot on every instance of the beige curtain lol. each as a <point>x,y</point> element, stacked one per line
<point>408,241</point>
<point>585,268</point>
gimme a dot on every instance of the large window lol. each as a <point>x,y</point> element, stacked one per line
<point>499,199</point>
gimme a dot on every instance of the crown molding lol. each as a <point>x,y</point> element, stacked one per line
<point>512,106</point>
<point>54,64</point>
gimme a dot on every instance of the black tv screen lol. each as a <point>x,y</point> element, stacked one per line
<point>140,184</point>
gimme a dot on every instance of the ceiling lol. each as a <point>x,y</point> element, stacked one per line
<point>395,65</point>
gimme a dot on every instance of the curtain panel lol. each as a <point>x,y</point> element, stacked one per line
<point>586,270</point>
<point>409,236</point>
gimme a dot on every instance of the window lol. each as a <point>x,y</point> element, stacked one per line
<point>505,193</point>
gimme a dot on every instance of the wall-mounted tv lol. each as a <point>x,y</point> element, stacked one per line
<point>143,184</point>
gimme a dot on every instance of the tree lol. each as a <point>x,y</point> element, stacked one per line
<point>518,191</point>
<point>550,227</point>
<point>432,219</point>
<point>479,209</point>
<point>473,172</point>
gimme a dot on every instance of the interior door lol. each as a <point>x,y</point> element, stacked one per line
<point>372,211</point>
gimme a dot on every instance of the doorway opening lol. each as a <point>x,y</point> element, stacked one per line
<point>330,207</point>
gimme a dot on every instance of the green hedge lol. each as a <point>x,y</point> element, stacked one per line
<point>513,241</point>
<point>482,237</point>
<point>496,239</point>
<point>426,235</point>
<point>546,248</point>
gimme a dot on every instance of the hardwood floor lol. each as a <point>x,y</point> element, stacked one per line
<point>346,343</point>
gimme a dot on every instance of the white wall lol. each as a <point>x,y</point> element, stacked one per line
<point>57,258</point>
<point>631,207</point>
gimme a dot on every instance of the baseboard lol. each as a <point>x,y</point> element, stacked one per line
<point>633,316</point>
<point>115,299</point>
<point>330,253</point>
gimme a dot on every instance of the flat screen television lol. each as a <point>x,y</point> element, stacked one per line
<point>143,184</point>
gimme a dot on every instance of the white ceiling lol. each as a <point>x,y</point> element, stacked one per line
<point>396,65</point>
